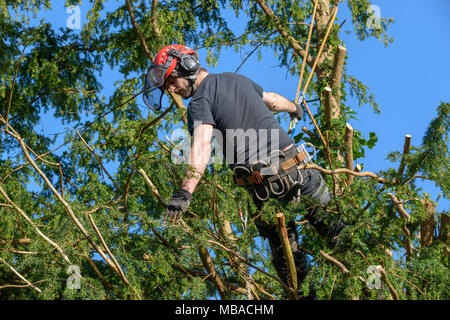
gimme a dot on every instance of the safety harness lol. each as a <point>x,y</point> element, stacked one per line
<point>273,176</point>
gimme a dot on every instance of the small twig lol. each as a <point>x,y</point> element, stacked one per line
<point>332,287</point>
<point>97,158</point>
<point>152,187</point>
<point>22,252</point>
<point>412,284</point>
<point>97,271</point>
<point>335,261</point>
<point>364,257</point>
<point>157,119</point>
<point>262,290</point>
<point>156,192</point>
<point>12,88</point>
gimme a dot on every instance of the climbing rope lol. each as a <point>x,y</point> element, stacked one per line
<point>306,50</point>
<point>293,122</point>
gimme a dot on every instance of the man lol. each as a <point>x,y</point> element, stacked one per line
<point>265,164</point>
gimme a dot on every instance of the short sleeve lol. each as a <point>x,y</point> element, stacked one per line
<point>199,112</point>
<point>257,88</point>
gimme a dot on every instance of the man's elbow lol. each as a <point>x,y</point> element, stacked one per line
<point>269,100</point>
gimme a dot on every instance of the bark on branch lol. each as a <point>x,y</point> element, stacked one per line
<point>344,170</point>
<point>406,217</point>
<point>335,261</point>
<point>136,27</point>
<point>292,272</point>
<point>292,41</point>
<point>427,226</point>
<point>39,232</point>
<point>209,266</point>
<point>348,148</point>
<point>66,205</point>
<point>406,147</point>
<point>390,286</point>
<point>20,276</point>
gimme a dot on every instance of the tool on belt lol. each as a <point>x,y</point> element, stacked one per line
<point>273,176</point>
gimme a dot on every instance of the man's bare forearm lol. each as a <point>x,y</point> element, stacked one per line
<point>193,176</point>
<point>278,103</point>
<point>198,157</point>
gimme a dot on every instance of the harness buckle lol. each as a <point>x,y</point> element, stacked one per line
<point>257,177</point>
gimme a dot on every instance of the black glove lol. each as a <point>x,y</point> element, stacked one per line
<point>178,205</point>
<point>298,113</point>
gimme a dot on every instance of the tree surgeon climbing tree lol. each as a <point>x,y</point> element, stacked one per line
<point>92,196</point>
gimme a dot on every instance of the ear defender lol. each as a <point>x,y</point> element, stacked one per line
<point>187,62</point>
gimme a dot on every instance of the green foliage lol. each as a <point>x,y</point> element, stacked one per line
<point>57,71</point>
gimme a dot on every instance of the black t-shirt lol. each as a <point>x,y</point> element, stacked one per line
<point>244,128</point>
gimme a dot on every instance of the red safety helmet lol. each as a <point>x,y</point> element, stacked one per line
<point>175,59</point>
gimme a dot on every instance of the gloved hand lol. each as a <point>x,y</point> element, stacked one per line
<point>178,205</point>
<point>298,113</point>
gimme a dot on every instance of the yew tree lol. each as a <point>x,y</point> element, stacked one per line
<point>86,204</point>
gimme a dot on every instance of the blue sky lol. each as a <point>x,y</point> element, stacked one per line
<point>409,78</point>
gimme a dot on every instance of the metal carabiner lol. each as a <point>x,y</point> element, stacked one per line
<point>261,198</point>
<point>243,219</point>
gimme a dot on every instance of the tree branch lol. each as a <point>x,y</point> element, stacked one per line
<point>343,170</point>
<point>348,148</point>
<point>154,18</point>
<point>292,272</point>
<point>97,158</point>
<point>292,41</point>
<point>118,268</point>
<point>285,286</point>
<point>20,276</point>
<point>42,235</point>
<point>136,27</point>
<point>335,261</point>
<point>406,146</point>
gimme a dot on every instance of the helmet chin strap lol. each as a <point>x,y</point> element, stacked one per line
<point>192,82</point>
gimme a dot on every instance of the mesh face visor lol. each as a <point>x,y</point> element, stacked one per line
<point>154,87</point>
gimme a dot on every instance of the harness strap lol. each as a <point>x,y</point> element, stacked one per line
<point>295,160</point>
<point>255,177</point>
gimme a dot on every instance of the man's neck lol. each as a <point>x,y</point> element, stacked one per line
<point>202,75</point>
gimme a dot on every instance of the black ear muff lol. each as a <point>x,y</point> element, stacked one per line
<point>189,63</point>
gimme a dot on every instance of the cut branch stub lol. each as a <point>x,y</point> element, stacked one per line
<point>406,146</point>
<point>348,138</point>
<point>427,226</point>
<point>292,272</point>
<point>444,230</point>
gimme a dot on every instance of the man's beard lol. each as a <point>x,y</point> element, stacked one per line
<point>187,93</point>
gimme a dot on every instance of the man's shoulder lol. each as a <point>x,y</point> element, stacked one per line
<point>225,75</point>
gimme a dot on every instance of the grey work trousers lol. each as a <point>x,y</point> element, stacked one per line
<point>312,185</point>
